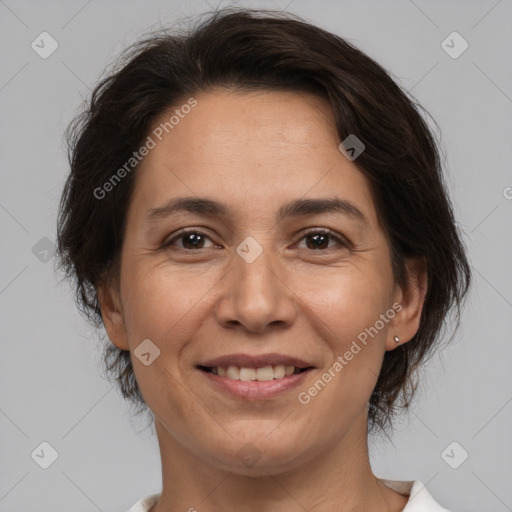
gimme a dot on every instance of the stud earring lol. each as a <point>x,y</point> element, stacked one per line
<point>397,339</point>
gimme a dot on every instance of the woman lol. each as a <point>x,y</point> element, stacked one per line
<point>256,213</point>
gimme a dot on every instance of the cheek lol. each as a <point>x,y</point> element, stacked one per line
<point>162,302</point>
<point>347,309</point>
<point>347,301</point>
<point>164,306</point>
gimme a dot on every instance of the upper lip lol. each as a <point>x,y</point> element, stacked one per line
<point>257,361</point>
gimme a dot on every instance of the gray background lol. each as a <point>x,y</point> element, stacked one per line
<point>50,385</point>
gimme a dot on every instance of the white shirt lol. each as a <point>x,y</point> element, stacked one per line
<point>420,499</point>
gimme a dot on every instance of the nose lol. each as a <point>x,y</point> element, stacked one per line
<point>256,296</point>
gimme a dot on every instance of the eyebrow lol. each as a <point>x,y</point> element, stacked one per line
<point>299,207</point>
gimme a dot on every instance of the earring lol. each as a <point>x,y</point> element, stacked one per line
<point>397,339</point>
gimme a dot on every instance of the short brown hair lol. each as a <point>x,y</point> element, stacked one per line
<point>245,49</point>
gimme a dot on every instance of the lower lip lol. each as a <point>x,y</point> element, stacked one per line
<point>255,389</point>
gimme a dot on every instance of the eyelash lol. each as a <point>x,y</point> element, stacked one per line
<point>342,241</point>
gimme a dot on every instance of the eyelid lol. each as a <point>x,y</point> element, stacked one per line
<point>169,242</point>
<point>341,239</point>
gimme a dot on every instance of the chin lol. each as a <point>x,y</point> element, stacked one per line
<point>260,455</point>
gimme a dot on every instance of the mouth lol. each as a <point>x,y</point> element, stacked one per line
<point>261,374</point>
<point>254,377</point>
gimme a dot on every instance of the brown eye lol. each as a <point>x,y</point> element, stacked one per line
<point>190,240</point>
<point>319,239</point>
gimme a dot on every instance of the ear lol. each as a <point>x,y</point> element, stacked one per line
<point>112,314</point>
<point>406,322</point>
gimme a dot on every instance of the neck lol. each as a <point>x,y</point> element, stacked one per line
<point>338,478</point>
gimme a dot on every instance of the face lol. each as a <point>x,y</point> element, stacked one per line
<point>271,268</point>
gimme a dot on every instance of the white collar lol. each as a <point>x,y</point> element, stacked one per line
<point>420,499</point>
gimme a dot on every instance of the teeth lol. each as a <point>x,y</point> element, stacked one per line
<point>247,374</point>
<point>233,372</point>
<point>265,373</point>
<point>279,371</point>
<point>261,374</point>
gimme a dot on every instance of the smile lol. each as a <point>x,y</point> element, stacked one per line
<point>263,374</point>
<point>254,383</point>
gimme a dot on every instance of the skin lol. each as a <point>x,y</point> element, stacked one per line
<point>255,152</point>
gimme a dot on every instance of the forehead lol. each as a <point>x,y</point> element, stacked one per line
<point>250,148</point>
<point>223,119</point>
<point>287,115</point>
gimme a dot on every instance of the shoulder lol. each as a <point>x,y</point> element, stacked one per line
<point>420,500</point>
